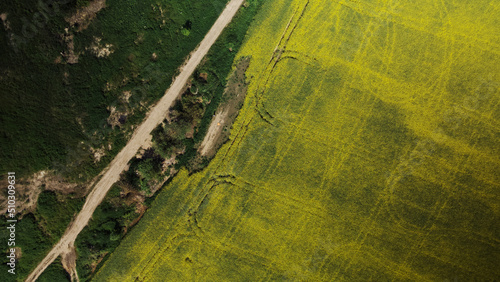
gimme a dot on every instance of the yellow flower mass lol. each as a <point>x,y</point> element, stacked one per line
<point>367,149</point>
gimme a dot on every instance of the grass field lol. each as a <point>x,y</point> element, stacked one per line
<point>367,149</point>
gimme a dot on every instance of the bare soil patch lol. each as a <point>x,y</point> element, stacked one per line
<point>70,55</point>
<point>28,190</point>
<point>220,127</point>
<point>68,260</point>
<point>6,23</point>
<point>100,50</point>
<point>82,18</point>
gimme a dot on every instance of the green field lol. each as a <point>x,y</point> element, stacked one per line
<point>367,149</point>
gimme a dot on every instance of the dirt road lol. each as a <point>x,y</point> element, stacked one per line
<point>218,132</point>
<point>214,130</point>
<point>141,135</point>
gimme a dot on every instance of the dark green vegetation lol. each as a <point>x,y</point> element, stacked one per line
<point>33,139</point>
<point>108,225</point>
<point>55,272</point>
<point>103,234</point>
<point>69,103</point>
<point>37,232</point>
<point>190,117</point>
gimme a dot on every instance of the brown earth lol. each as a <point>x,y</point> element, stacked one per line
<point>18,252</point>
<point>6,23</point>
<point>68,260</point>
<point>82,18</point>
<point>28,190</point>
<point>219,130</point>
<point>70,55</point>
<point>100,50</point>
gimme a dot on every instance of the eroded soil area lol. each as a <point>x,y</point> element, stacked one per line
<point>220,127</point>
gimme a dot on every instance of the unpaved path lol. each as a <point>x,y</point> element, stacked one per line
<point>141,136</point>
<point>234,93</point>
<point>213,132</point>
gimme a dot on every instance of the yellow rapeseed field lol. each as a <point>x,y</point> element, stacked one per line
<point>368,148</point>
